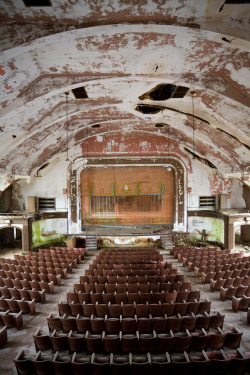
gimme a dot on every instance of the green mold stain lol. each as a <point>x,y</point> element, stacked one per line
<point>37,238</point>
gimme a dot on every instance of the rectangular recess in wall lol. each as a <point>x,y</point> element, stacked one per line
<point>46,204</point>
<point>37,3</point>
<point>207,202</point>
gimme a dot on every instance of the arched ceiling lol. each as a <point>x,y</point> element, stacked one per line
<point>119,51</point>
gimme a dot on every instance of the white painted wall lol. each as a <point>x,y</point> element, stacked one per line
<point>49,185</point>
<point>205,181</point>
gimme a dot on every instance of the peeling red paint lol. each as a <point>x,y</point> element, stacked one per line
<point>8,87</point>
<point>219,185</point>
<point>2,71</point>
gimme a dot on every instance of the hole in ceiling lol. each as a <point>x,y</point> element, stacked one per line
<point>148,109</point>
<point>237,2</point>
<point>42,167</point>
<point>80,93</point>
<point>164,92</point>
<point>159,125</point>
<point>233,136</point>
<point>37,3</point>
<point>96,126</point>
<point>202,160</point>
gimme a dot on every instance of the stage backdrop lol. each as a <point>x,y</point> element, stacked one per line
<point>127,195</point>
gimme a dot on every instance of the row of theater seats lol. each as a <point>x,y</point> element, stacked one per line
<point>138,342</point>
<point>118,298</point>
<point>133,288</point>
<point>134,323</point>
<point>206,362</point>
<point>148,349</point>
<point>157,309</point>
<point>131,279</point>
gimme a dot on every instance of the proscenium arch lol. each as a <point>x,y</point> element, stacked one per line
<point>81,163</point>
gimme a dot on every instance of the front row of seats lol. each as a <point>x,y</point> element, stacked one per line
<point>209,362</point>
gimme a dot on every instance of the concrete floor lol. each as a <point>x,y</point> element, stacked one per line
<point>23,339</point>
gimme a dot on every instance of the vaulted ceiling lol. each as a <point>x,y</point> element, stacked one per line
<point>172,74</point>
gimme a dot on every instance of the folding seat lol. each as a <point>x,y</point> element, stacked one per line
<point>241,291</point>
<point>112,279</point>
<point>101,310</point>
<point>5,292</point>
<point>24,363</point>
<point>25,294</point>
<point>27,307</point>
<point>132,280</point>
<point>42,341</point>
<point>8,282</point>
<point>182,341</point>
<point>81,364</point>
<point>147,342</point>
<point>219,362</point>
<point>180,308</point>
<point>203,321</point>
<point>140,363</point>
<point>141,310</point>
<point>239,303</point>
<point>15,293</point>
<point>233,338</point>
<point>194,295</point>
<point>54,323</point>
<point>174,323</point>
<point>83,297</point>
<point>170,296</point>
<point>146,297</point>
<point>48,287</point>
<point>183,295</point>
<point>87,288</point>
<point>17,275</point>
<point>167,308</point>
<point>216,284</point>
<point>96,297</point>
<point>134,298</point>
<point>102,279</point>
<point>72,297</point>
<point>129,325</point>
<point>11,320</point>
<point>159,324</point>
<point>110,288</point>
<point>181,363</point>
<point>93,342</point>
<point>128,310</point>
<point>175,286</point>
<point>121,298</point>
<point>76,342</point>
<point>115,310</point>
<point>239,363</point>
<point>88,279</point>
<point>68,323</point>
<point>3,304</point>
<point>13,305</point>
<point>97,324</point>
<point>64,308</point>
<point>144,325</point>
<point>61,364</point>
<point>155,309</point>
<point>37,295</point>
<point>83,324</point>
<point>111,343</point>
<point>100,288</point>
<point>204,306</point>
<point>59,341</point>
<point>108,298</point>
<point>217,320</point>
<point>200,364</point>
<point>25,284</point>
<point>120,364</point>
<point>189,322</point>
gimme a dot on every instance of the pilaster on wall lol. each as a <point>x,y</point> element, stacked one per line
<point>74,188</point>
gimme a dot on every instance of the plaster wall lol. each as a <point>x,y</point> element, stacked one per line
<point>214,228</point>
<point>48,231</point>
<point>51,184</point>
<point>204,181</point>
